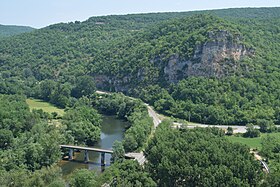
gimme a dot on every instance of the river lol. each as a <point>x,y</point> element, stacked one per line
<point>112,129</point>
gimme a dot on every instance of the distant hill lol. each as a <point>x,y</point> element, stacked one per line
<point>11,30</point>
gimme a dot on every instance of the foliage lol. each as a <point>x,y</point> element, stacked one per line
<point>229,131</point>
<point>6,138</point>
<point>11,30</point>
<point>128,53</point>
<point>85,86</point>
<point>15,115</point>
<point>251,131</point>
<point>132,110</point>
<point>47,176</point>
<point>270,150</point>
<point>82,178</point>
<point>253,143</point>
<point>192,157</point>
<point>127,173</point>
<point>29,144</point>
<point>83,122</point>
<point>53,92</point>
<point>273,180</point>
<point>45,106</point>
<point>270,147</point>
<point>118,152</point>
<point>266,126</point>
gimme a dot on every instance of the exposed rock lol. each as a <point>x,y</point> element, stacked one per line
<point>217,57</point>
<point>112,83</point>
<point>175,68</point>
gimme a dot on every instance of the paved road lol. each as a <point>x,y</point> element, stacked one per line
<point>102,92</point>
<point>157,121</point>
<point>140,157</point>
<point>154,115</point>
<point>151,111</point>
<point>236,129</point>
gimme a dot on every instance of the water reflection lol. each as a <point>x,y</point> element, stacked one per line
<point>112,129</point>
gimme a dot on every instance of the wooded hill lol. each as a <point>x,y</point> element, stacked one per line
<point>11,30</point>
<point>218,67</point>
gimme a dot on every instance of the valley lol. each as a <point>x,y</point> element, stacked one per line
<point>192,92</point>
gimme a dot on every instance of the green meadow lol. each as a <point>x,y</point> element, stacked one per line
<point>45,106</point>
<point>254,143</point>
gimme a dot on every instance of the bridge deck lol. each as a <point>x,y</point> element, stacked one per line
<point>127,155</point>
<point>87,148</point>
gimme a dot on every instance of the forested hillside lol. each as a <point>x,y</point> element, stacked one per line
<point>218,67</point>
<point>11,30</point>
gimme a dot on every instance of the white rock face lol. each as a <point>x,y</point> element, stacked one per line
<point>214,58</point>
<point>219,56</point>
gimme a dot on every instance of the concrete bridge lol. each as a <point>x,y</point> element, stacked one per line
<point>102,151</point>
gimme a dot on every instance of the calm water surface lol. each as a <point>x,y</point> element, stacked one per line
<point>112,129</point>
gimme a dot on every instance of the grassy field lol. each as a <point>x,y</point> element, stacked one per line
<point>252,142</point>
<point>45,106</point>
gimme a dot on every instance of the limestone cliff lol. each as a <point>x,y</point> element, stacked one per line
<point>217,57</point>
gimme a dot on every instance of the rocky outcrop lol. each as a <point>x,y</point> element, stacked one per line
<point>112,83</point>
<point>217,57</point>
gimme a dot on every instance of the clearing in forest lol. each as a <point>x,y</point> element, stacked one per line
<point>45,106</point>
<point>254,143</point>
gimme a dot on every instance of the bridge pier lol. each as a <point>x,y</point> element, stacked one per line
<point>86,156</point>
<point>71,149</point>
<point>102,159</point>
<point>70,156</point>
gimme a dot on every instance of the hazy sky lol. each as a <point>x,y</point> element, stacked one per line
<point>40,13</point>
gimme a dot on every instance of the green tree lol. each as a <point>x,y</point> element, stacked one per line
<point>270,147</point>
<point>83,122</point>
<point>251,132</point>
<point>199,157</point>
<point>85,86</point>
<point>229,131</point>
<point>84,132</point>
<point>127,173</point>
<point>6,138</point>
<point>60,95</point>
<point>266,125</point>
<point>130,142</point>
<point>46,88</point>
<point>82,178</point>
<point>118,152</point>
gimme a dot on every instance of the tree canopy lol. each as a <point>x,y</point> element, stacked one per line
<point>200,157</point>
<point>146,56</point>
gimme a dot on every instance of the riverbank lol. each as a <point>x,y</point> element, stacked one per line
<point>112,129</point>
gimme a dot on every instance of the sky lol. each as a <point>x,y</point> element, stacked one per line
<point>41,13</point>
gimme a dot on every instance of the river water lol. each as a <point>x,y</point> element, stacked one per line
<point>112,129</point>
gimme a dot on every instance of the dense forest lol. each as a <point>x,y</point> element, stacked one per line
<point>213,67</point>
<point>200,157</point>
<point>176,157</point>
<point>141,54</point>
<point>12,30</point>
